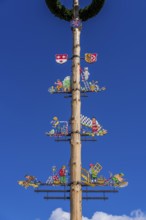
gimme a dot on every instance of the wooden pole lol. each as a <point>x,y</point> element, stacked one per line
<point>76,188</point>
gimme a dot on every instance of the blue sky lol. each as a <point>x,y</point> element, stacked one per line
<point>30,36</point>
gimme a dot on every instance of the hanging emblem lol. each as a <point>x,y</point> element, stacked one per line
<point>76,23</point>
<point>90,57</point>
<point>61,58</point>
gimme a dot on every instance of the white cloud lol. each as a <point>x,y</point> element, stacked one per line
<point>59,214</point>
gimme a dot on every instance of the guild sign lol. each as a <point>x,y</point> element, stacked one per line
<point>90,57</point>
<point>61,58</point>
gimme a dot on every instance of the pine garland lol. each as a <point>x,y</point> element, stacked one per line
<point>86,13</point>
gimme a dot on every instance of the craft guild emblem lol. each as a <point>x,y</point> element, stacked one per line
<point>61,58</point>
<point>90,57</point>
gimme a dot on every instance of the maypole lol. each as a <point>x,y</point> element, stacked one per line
<point>76,188</point>
<point>82,127</point>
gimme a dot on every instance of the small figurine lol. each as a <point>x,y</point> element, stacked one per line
<point>93,173</point>
<point>62,174</point>
<point>30,181</point>
<point>95,126</point>
<point>118,178</point>
<point>56,124</point>
<point>59,85</point>
<point>86,73</point>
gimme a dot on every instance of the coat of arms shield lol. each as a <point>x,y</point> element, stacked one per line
<point>61,58</point>
<point>90,57</point>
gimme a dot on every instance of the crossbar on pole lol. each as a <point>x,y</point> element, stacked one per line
<point>68,197</point>
<point>89,191</point>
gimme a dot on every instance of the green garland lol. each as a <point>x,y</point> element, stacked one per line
<point>62,12</point>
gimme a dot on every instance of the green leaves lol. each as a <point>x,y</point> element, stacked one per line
<point>86,13</point>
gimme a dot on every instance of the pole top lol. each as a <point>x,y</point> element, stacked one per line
<point>59,10</point>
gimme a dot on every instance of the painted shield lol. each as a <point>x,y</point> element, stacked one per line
<point>90,57</point>
<point>61,58</point>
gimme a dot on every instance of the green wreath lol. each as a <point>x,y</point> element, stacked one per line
<point>62,12</point>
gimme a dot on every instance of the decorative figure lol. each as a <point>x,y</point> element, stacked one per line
<point>30,181</point>
<point>50,180</point>
<point>93,174</point>
<point>91,127</point>
<point>85,76</point>
<point>86,73</point>
<point>89,86</point>
<point>118,178</point>
<point>56,124</point>
<point>61,58</point>
<point>55,176</point>
<point>60,128</point>
<point>59,85</point>
<point>62,174</point>
<point>90,177</point>
<point>95,126</point>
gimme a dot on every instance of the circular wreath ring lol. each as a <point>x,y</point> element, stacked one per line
<point>62,12</point>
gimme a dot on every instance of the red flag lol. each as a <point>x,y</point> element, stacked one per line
<point>61,58</point>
